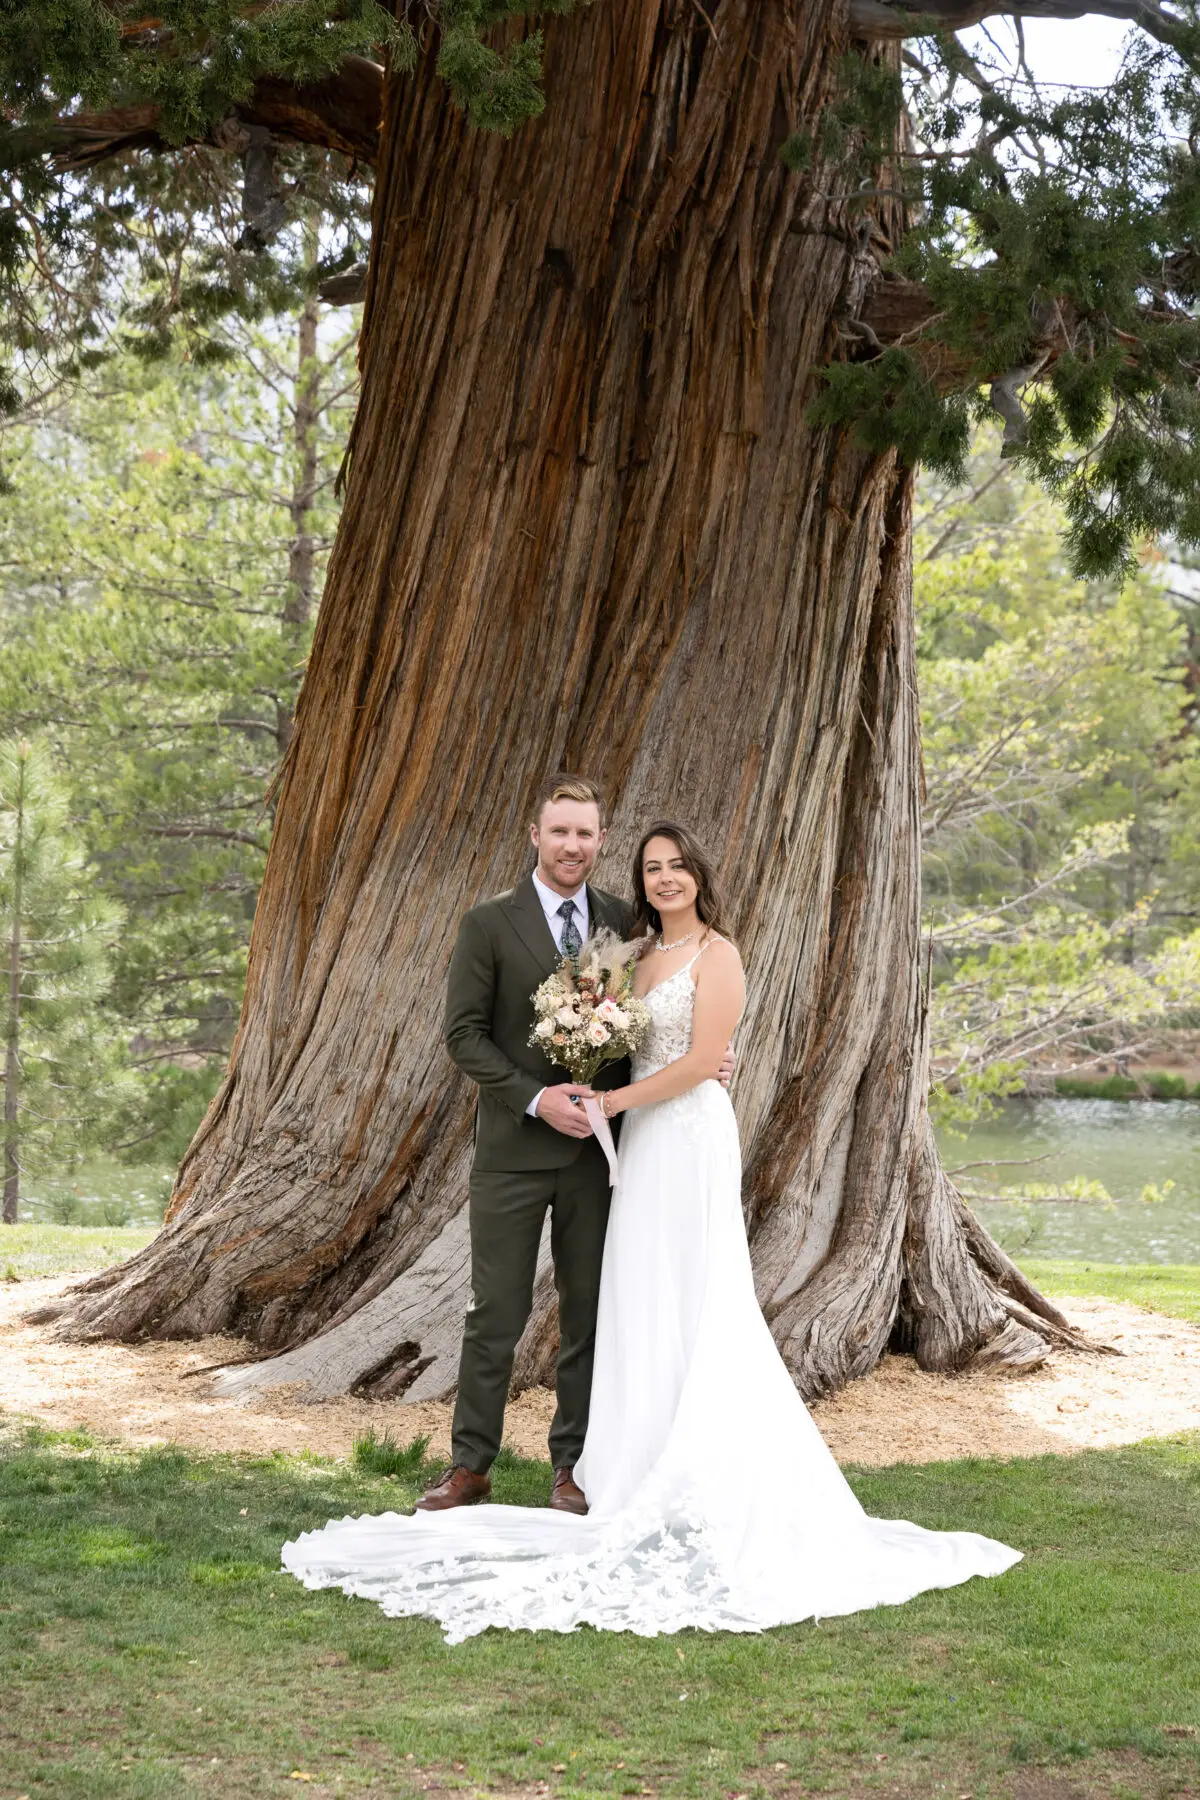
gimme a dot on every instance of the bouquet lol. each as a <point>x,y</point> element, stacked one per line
<point>587,1012</point>
<point>587,1015</point>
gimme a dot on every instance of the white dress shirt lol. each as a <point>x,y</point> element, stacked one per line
<point>550,905</point>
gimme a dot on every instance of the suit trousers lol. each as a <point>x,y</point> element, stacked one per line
<point>507,1212</point>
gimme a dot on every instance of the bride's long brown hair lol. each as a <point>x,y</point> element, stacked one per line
<point>697,862</point>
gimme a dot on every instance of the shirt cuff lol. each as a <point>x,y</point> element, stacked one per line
<point>531,1109</point>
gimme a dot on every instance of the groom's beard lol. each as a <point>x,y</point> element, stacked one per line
<point>570,878</point>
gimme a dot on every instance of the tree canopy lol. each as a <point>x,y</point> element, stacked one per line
<point>1049,268</point>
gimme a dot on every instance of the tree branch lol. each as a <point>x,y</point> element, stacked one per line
<point>205,831</point>
<point>340,113</point>
<point>347,289</point>
<point>900,312</point>
<point>886,19</point>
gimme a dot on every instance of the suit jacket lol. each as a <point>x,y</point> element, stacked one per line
<point>504,951</point>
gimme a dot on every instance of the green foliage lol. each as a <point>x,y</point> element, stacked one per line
<point>63,1067</point>
<point>65,1209</point>
<point>154,250</point>
<point>865,111</point>
<point>1062,223</point>
<point>150,256</point>
<point>499,90</point>
<point>893,402</point>
<point>1055,233</point>
<point>796,151</point>
<point>164,545</point>
<point>1061,802</point>
<point>1107,1087</point>
<point>195,59</point>
<point>1155,1084</point>
<point>1076,1187</point>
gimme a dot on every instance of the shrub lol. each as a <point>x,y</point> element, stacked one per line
<point>1093,1087</point>
<point>1160,1084</point>
<point>65,1208</point>
<point>1165,1086</point>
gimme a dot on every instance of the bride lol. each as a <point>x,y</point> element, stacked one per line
<point>714,1502</point>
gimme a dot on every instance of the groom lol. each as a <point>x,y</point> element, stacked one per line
<point>533,1143</point>
<point>534,1147</point>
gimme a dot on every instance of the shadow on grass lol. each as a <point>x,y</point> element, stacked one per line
<point>146,1630</point>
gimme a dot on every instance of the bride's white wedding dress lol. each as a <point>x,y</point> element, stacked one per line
<point>714,1500</point>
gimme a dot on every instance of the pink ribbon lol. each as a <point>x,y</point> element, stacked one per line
<point>604,1136</point>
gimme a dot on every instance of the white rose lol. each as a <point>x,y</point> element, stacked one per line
<point>598,1033</point>
<point>544,1028</point>
<point>608,1010</point>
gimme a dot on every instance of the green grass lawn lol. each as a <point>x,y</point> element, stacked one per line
<point>149,1646</point>
<point>1167,1287</point>
<point>36,1249</point>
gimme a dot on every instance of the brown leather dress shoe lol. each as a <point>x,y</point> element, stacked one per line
<point>457,1487</point>
<point>565,1496</point>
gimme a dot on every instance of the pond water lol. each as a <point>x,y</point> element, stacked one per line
<point>1127,1145</point>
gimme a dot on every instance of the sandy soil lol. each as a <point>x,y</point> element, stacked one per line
<point>151,1394</point>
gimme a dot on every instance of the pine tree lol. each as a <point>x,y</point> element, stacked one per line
<point>60,1061</point>
<point>164,544</point>
<point>662,305</point>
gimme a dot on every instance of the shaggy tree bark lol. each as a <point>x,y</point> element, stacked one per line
<point>587,523</point>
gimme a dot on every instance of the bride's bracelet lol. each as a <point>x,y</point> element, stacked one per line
<point>604,1100</point>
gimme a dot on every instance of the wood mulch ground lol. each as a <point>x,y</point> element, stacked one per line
<point>149,1394</point>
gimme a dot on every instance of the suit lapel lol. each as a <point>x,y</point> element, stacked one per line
<point>602,911</point>
<point>598,913</point>
<point>525,914</point>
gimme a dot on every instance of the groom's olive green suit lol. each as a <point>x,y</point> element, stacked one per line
<point>521,1167</point>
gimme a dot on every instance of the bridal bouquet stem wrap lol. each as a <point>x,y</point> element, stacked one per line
<point>587,1015</point>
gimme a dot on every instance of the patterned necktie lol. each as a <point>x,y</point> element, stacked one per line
<point>572,943</point>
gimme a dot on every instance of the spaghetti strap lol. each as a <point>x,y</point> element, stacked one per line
<point>714,939</point>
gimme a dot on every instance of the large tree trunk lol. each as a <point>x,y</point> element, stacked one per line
<point>588,524</point>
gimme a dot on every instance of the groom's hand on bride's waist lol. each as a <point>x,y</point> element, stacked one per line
<point>559,1106</point>
<point>728,1065</point>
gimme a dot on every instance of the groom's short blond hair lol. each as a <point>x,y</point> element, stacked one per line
<point>564,786</point>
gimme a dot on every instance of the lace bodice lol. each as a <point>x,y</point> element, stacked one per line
<point>671,1005</point>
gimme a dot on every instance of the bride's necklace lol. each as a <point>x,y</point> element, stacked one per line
<point>678,944</point>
